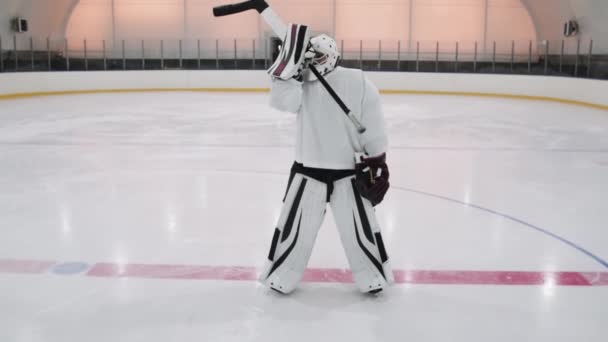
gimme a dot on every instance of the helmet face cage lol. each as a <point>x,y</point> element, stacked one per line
<point>327,55</point>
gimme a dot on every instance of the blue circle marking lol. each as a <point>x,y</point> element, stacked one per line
<point>70,268</point>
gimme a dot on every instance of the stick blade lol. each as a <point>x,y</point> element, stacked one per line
<point>220,11</point>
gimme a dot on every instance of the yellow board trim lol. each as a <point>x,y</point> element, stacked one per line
<point>506,96</point>
<point>262,90</point>
<point>143,90</point>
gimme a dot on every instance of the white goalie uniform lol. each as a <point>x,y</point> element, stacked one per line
<point>324,173</point>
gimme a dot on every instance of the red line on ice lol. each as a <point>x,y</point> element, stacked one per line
<point>315,275</point>
<point>24,266</point>
<point>318,275</point>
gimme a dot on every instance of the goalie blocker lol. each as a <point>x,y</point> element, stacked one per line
<point>290,61</point>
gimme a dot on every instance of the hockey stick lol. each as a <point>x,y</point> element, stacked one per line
<point>229,9</point>
<point>338,100</point>
<point>270,17</point>
<point>279,28</point>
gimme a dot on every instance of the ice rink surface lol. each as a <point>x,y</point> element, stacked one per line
<point>143,217</point>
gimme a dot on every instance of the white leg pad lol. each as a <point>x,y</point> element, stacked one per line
<point>295,235</point>
<point>361,237</point>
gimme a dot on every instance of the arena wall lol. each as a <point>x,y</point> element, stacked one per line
<point>567,90</point>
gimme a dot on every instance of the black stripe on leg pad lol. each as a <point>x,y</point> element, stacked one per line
<point>293,211</point>
<point>365,250</point>
<point>292,174</point>
<point>383,256</point>
<point>367,230</point>
<point>273,246</point>
<point>282,258</point>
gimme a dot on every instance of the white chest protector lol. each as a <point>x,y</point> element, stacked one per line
<point>326,138</point>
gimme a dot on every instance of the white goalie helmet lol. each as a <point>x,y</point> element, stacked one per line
<point>326,55</point>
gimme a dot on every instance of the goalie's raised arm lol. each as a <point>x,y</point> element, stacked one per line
<point>286,96</point>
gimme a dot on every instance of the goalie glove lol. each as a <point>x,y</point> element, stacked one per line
<point>372,177</point>
<point>291,60</point>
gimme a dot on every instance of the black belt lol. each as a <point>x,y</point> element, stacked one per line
<point>327,176</point>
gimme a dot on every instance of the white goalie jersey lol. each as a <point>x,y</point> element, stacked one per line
<point>326,138</point>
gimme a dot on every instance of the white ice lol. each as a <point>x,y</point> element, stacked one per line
<point>198,178</point>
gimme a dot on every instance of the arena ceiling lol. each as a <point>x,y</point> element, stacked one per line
<point>51,17</point>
